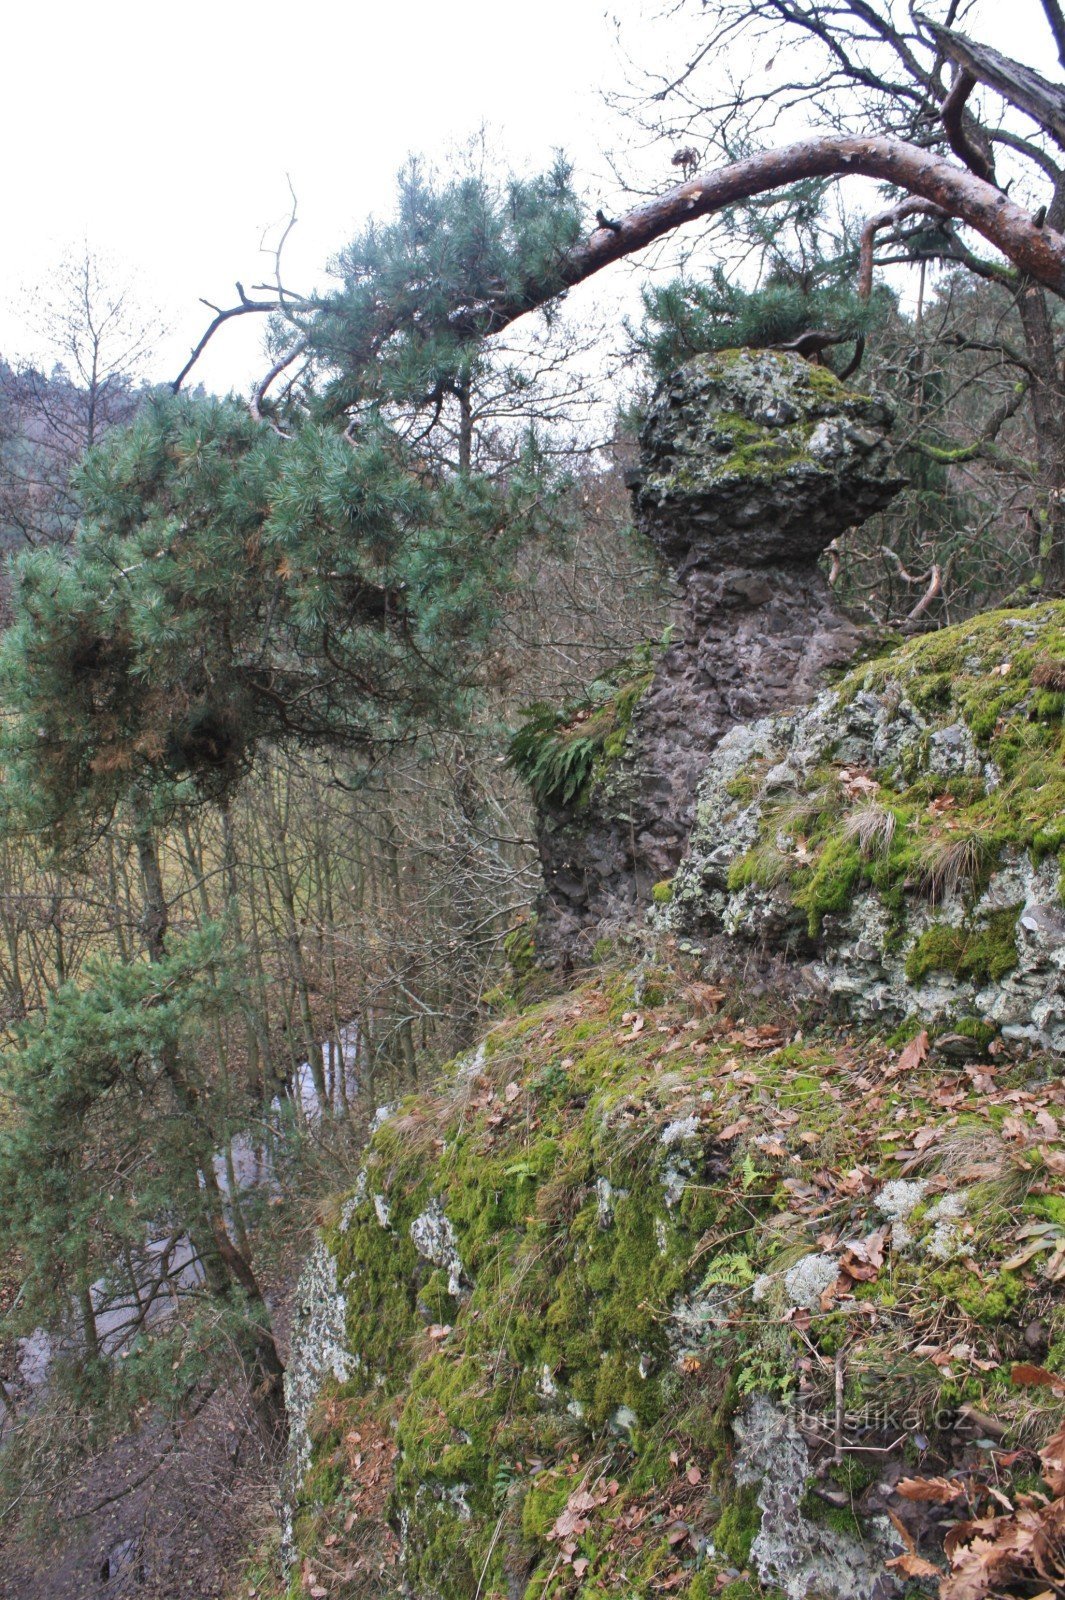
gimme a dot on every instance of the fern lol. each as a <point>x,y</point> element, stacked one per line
<point>556,749</point>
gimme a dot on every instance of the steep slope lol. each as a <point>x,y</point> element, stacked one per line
<point>651,1297</point>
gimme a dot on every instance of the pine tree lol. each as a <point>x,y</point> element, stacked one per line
<point>228,588</point>
<point>113,1148</point>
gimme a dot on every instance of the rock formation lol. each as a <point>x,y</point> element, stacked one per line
<point>904,836</point>
<point>650,1295</point>
<point>752,462</point>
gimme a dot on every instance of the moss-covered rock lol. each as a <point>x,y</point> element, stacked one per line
<point>760,457</point>
<point>907,831</point>
<point>573,1300</point>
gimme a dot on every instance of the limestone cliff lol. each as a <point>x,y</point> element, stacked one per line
<point>903,838</point>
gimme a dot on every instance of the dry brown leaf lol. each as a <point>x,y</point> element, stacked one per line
<point>1052,1456</point>
<point>914,1053</point>
<point>914,1566</point>
<point>1024,1374</point>
<point>939,1491</point>
<point>1054,1159</point>
<point>734,1129</point>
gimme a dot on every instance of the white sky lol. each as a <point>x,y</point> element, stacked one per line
<point>163,135</point>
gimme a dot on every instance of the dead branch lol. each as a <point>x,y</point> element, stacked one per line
<point>888,219</point>
<point>1024,88</point>
<point>244,307</point>
<point>952,116</point>
<point>935,587</point>
<point>1056,18</point>
<point>256,402</point>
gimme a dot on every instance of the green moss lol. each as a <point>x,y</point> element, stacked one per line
<point>738,1525</point>
<point>1050,1207</point>
<point>831,884</point>
<point>561,1368</point>
<point>982,1033</point>
<point>983,952</point>
<point>841,1519</point>
<point>920,835</point>
<point>662,893</point>
<point>989,1300</point>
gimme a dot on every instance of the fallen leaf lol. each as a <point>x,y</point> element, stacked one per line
<point>512,1091</point>
<point>1055,1161</point>
<point>1052,1456</point>
<point>914,1566</point>
<point>734,1129</point>
<point>1023,1374</point>
<point>939,1491</point>
<point>914,1053</point>
<point>694,1476</point>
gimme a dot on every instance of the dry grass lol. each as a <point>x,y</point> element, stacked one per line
<point>872,826</point>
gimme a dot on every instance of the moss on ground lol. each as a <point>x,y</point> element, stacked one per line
<point>622,1178</point>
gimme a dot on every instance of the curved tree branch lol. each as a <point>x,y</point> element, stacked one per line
<point>888,219</point>
<point>953,118</point>
<point>243,308</point>
<point>1038,252</point>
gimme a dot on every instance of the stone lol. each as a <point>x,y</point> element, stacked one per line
<point>860,955</point>
<point>751,463</point>
<point>435,1240</point>
<point>802,1557</point>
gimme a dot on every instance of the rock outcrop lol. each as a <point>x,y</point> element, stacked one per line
<point>751,463</point>
<point>904,837</point>
<point>642,1301</point>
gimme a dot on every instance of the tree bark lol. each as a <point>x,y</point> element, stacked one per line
<point>1037,251</point>
<point>1047,395</point>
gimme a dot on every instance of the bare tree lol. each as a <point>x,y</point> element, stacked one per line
<point>93,340</point>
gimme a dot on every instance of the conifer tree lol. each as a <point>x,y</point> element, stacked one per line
<point>107,1175</point>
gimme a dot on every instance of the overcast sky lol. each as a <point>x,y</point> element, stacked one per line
<point>163,136</point>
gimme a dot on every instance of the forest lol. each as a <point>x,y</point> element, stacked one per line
<point>532,867</point>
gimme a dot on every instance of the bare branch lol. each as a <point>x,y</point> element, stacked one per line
<point>245,307</point>
<point>1024,88</point>
<point>888,219</point>
<point>1056,18</point>
<point>935,587</point>
<point>256,403</point>
<point>953,118</point>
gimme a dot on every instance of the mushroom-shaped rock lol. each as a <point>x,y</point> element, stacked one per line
<point>752,461</point>
<point>760,457</point>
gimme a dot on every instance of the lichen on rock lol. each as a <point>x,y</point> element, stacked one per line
<point>904,836</point>
<point>562,1407</point>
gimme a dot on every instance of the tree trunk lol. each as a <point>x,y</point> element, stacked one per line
<point>1048,417</point>
<point>226,1269</point>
